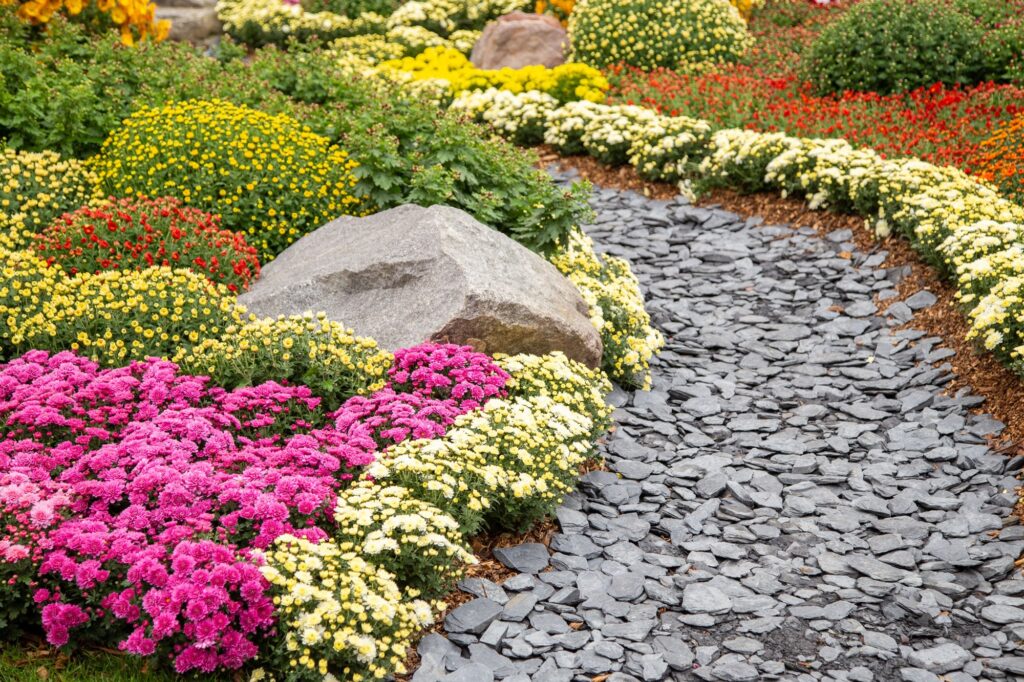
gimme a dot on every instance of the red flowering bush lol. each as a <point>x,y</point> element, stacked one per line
<point>139,233</point>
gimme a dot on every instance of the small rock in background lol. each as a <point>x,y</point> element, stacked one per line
<point>519,39</point>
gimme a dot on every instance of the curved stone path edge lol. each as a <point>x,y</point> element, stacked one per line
<point>796,499</point>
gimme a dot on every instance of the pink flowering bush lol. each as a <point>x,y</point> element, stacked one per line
<point>132,499</point>
<point>389,418</point>
<point>448,371</point>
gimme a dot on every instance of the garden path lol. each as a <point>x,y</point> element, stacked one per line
<point>795,499</point>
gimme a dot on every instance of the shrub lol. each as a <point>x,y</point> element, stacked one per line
<point>36,188</point>
<point>311,351</point>
<point>565,82</point>
<point>111,317</point>
<point>353,9</point>
<point>411,539</point>
<point>364,622</point>
<point>1001,158</point>
<point>139,233</point>
<point>617,310</point>
<point>408,151</point>
<point>267,175</point>
<point>890,46</point>
<point>683,34</point>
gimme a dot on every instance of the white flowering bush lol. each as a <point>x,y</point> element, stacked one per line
<point>414,540</point>
<point>341,616</point>
<point>414,26</point>
<point>668,148</point>
<point>515,459</point>
<point>520,117</point>
<point>268,22</point>
<point>609,135</point>
<point>565,125</point>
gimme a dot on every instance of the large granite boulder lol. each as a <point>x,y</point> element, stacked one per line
<point>518,39</point>
<point>412,274</point>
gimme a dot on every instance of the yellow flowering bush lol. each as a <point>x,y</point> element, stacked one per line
<point>566,82</point>
<point>414,540</point>
<point>26,284</point>
<point>342,618</point>
<point>266,175</point>
<point>617,309</point>
<point>112,317</point>
<point>38,187</point>
<point>134,18</point>
<point>678,34</point>
<point>302,349</point>
<point>555,376</point>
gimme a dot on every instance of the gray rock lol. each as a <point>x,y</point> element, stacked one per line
<point>940,659</point>
<point>455,280</point>
<point>704,598</point>
<point>518,39</point>
<point>471,672</point>
<point>530,557</point>
<point>473,616</point>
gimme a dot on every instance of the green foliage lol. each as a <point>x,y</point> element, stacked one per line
<point>890,46</point>
<point>411,152</point>
<point>68,92</point>
<point>688,34</point>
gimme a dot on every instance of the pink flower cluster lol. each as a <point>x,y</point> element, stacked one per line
<point>138,493</point>
<point>448,371</point>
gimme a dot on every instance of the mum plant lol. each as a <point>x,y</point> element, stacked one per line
<point>129,234</point>
<point>685,34</point>
<point>267,175</point>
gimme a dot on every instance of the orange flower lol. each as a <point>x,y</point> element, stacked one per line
<point>134,18</point>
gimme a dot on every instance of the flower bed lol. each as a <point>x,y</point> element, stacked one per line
<point>204,548</point>
<point>275,496</point>
<point>945,124</point>
<point>958,223</point>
